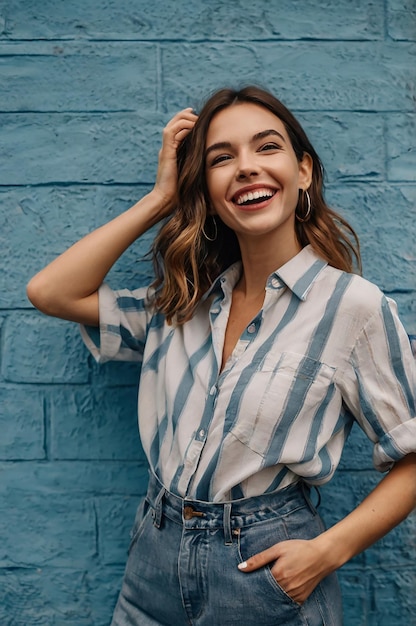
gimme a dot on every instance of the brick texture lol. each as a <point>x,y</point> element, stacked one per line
<point>85,90</point>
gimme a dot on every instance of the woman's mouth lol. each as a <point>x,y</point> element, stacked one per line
<point>254,197</point>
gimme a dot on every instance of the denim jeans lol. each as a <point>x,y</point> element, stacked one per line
<point>183,557</point>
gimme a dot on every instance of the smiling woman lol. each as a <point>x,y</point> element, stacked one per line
<point>243,129</point>
<point>260,349</point>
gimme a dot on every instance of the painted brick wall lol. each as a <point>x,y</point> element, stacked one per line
<point>85,89</point>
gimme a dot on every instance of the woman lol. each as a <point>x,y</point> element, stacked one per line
<point>260,348</point>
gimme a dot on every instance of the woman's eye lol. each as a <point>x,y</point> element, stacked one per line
<point>220,158</point>
<point>270,146</point>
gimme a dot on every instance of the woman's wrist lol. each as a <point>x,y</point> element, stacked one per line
<point>164,203</point>
<point>146,212</point>
<point>334,553</point>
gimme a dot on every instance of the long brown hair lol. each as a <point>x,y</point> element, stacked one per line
<point>186,261</point>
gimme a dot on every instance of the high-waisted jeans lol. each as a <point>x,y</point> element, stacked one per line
<point>183,558</point>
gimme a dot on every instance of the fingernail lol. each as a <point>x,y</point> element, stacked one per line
<point>242,565</point>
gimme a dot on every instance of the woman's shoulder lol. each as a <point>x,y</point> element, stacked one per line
<point>361,297</point>
<point>364,291</point>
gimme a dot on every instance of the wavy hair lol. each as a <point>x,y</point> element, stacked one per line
<point>186,262</point>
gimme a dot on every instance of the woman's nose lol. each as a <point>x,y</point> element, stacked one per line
<point>247,167</point>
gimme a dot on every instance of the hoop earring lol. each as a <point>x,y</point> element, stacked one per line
<point>213,238</point>
<point>307,215</point>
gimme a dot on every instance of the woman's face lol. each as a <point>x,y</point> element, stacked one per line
<point>252,173</point>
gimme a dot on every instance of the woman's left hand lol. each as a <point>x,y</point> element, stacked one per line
<point>299,566</point>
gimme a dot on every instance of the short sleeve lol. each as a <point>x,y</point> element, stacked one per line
<point>124,317</point>
<point>379,386</point>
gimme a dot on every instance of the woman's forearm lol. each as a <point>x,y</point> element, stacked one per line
<point>67,286</point>
<point>299,565</point>
<point>384,508</point>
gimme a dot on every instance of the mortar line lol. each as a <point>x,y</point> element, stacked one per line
<point>46,428</point>
<point>159,107</point>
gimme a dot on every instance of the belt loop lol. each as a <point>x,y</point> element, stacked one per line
<point>227,524</point>
<point>157,513</point>
<point>306,490</point>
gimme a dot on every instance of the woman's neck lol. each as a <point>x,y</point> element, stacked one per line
<point>259,261</point>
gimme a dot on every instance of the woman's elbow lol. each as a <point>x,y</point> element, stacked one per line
<point>50,300</point>
<point>40,296</point>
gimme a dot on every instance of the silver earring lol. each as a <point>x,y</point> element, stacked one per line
<point>307,215</point>
<point>213,238</point>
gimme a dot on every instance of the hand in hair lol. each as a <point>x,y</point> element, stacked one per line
<point>68,286</point>
<point>167,174</point>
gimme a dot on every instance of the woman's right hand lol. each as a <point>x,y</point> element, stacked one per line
<point>174,133</point>
<point>68,286</point>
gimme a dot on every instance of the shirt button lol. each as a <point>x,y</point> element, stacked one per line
<point>201,432</point>
<point>212,390</point>
<point>275,282</point>
<point>251,329</point>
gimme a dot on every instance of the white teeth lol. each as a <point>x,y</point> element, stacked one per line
<point>255,195</point>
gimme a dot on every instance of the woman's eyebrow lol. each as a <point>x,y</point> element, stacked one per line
<point>222,145</point>
<point>265,133</point>
<point>218,146</point>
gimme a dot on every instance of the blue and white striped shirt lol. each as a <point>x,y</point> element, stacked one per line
<point>326,349</point>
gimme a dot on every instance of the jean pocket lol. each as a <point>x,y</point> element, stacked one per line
<point>267,570</point>
<point>142,513</point>
<point>256,538</point>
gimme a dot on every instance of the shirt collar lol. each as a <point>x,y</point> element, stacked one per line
<point>226,281</point>
<point>298,274</point>
<point>301,271</point>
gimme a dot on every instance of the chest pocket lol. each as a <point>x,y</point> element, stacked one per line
<point>283,397</point>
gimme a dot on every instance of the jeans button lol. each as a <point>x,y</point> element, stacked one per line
<point>189,513</point>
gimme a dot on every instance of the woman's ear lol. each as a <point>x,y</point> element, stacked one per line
<point>305,171</point>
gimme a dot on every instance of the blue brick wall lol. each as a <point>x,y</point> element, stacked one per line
<point>85,89</point>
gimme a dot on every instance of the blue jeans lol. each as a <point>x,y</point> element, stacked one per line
<point>183,557</point>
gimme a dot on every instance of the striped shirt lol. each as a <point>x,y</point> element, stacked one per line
<point>326,349</point>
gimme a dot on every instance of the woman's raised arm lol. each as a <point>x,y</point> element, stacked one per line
<point>68,286</point>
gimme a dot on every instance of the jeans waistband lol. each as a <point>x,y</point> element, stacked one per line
<point>233,515</point>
